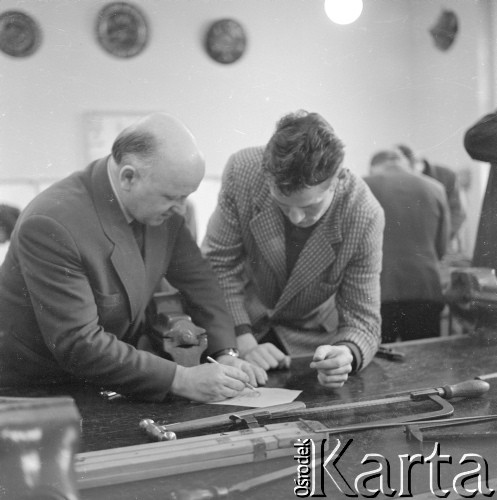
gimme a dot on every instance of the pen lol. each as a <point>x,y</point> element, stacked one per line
<point>212,360</point>
<point>487,376</point>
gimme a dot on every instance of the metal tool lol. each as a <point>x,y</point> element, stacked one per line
<point>252,418</point>
<point>175,336</point>
<point>151,460</point>
<point>487,376</point>
<point>225,492</point>
<point>417,430</point>
<point>390,354</point>
<point>110,395</point>
<point>310,425</point>
<point>473,288</point>
<point>472,296</point>
<point>168,432</point>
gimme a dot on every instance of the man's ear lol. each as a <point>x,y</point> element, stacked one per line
<point>128,175</point>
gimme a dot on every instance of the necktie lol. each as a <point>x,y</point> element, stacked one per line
<point>139,234</point>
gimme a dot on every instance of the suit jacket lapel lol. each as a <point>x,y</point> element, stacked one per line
<point>267,228</point>
<point>317,255</point>
<point>126,256</point>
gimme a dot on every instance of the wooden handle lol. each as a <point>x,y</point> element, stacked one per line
<point>468,389</point>
<point>276,410</point>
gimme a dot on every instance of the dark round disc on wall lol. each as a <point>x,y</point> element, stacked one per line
<point>122,29</point>
<point>444,31</point>
<point>20,35</point>
<point>225,41</point>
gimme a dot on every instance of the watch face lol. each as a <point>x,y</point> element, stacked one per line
<point>20,35</point>
<point>122,29</point>
<point>225,41</point>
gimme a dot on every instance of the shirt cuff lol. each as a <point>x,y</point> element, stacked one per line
<point>242,329</point>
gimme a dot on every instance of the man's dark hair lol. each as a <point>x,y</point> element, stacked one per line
<point>134,144</point>
<point>8,218</point>
<point>304,151</point>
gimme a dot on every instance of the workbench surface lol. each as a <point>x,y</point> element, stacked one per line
<point>429,363</point>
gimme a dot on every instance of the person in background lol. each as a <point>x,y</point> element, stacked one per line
<point>415,240</point>
<point>480,141</point>
<point>295,240</point>
<point>85,258</point>
<point>447,178</point>
<point>8,219</point>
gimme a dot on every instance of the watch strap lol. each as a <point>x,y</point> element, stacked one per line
<point>231,351</point>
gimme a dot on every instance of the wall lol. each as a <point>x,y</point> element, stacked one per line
<point>452,90</point>
<point>377,81</point>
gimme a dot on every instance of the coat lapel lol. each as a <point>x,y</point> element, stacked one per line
<point>317,255</point>
<point>267,228</point>
<point>126,258</point>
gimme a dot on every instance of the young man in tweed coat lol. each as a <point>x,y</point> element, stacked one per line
<point>296,242</point>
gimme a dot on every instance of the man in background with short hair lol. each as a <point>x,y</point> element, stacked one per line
<point>448,178</point>
<point>415,240</point>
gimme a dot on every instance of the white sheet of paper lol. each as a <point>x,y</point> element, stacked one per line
<point>261,397</point>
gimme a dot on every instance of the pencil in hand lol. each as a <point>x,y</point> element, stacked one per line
<point>250,386</point>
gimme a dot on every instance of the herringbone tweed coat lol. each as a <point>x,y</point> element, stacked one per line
<point>333,292</point>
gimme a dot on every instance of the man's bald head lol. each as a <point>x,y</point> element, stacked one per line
<point>159,141</point>
<point>156,158</point>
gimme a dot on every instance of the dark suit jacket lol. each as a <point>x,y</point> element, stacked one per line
<point>450,182</point>
<point>74,288</point>
<point>415,238</point>
<point>480,142</point>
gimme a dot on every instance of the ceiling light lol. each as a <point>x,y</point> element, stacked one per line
<point>343,11</point>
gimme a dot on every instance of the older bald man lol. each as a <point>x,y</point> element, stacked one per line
<point>75,283</point>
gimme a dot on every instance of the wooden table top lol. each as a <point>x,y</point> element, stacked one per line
<point>429,363</point>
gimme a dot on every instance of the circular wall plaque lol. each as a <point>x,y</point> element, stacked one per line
<point>225,41</point>
<point>20,35</point>
<point>122,29</point>
<point>445,30</point>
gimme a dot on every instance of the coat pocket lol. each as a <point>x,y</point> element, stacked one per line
<point>112,309</point>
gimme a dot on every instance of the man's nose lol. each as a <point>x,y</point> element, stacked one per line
<point>179,207</point>
<point>296,215</point>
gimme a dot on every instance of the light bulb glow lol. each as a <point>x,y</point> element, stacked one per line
<point>343,11</point>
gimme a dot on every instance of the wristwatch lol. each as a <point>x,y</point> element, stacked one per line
<point>231,351</point>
